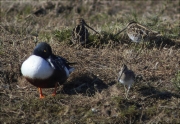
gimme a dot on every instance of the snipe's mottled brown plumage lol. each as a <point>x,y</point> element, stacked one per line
<point>138,33</point>
<point>80,33</point>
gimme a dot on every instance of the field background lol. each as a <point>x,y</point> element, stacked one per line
<point>92,94</point>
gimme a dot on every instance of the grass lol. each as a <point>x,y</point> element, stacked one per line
<point>154,98</point>
<point>63,35</point>
<point>176,80</point>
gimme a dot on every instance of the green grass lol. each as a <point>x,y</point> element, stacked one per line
<point>176,80</point>
<point>63,35</point>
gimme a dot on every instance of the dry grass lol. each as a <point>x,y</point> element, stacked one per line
<point>92,93</point>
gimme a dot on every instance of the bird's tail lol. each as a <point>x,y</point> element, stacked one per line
<point>71,69</point>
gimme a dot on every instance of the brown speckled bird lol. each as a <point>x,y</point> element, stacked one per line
<point>138,33</point>
<point>80,34</point>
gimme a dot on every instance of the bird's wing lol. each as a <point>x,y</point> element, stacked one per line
<point>132,74</point>
<point>57,62</point>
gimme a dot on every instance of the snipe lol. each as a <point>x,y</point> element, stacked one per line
<point>138,33</point>
<point>80,33</point>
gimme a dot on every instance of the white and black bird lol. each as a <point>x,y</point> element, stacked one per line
<point>126,77</point>
<point>43,69</point>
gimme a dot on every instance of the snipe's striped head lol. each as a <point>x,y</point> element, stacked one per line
<point>80,21</point>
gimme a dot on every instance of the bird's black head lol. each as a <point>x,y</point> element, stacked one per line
<point>43,50</point>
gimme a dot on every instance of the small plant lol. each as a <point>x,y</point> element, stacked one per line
<point>94,40</point>
<point>176,80</point>
<point>151,111</point>
<point>130,110</point>
<point>62,35</point>
<point>45,36</point>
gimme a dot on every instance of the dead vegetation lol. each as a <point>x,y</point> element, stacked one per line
<point>92,94</point>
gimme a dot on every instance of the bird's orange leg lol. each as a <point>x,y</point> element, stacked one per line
<point>54,93</point>
<point>40,93</point>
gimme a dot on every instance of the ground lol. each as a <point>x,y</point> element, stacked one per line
<point>92,93</point>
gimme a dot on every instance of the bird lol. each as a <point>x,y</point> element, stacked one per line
<point>43,69</point>
<point>126,77</point>
<point>139,33</point>
<point>80,33</point>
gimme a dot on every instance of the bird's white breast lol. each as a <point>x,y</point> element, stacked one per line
<point>36,67</point>
<point>127,82</point>
<point>134,38</point>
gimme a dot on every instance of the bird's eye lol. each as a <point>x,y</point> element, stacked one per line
<point>45,51</point>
